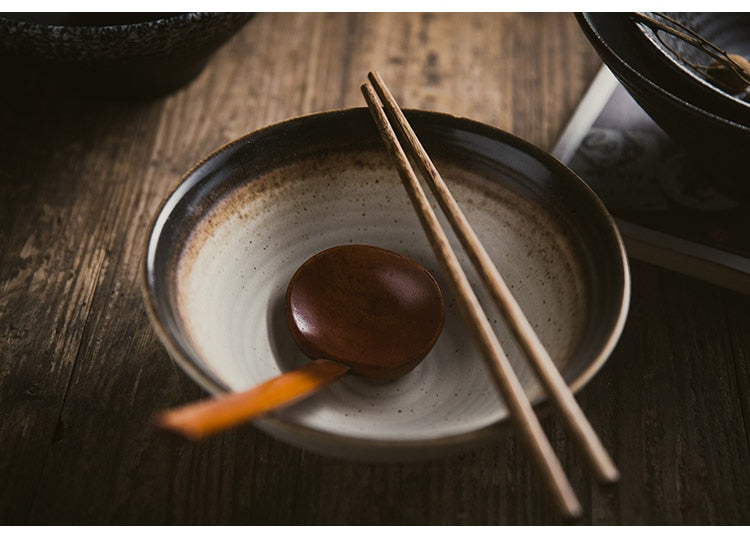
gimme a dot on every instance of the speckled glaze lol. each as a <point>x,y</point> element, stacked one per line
<point>232,234</point>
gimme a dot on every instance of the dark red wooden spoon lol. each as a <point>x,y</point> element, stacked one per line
<point>353,308</point>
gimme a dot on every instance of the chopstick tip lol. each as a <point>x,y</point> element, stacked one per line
<point>611,476</point>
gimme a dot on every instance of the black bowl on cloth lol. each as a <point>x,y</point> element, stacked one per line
<point>120,55</point>
<point>718,141</point>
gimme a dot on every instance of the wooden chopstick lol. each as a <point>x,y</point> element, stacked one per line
<point>519,406</point>
<point>547,372</point>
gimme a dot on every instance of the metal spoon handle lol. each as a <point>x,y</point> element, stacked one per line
<point>198,420</point>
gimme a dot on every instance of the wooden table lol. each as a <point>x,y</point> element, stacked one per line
<point>82,372</point>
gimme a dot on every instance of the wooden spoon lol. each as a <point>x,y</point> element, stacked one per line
<point>353,308</point>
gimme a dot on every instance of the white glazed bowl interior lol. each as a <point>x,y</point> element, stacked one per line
<point>228,240</point>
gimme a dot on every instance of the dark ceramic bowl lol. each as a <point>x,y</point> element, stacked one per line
<point>718,143</point>
<point>236,228</point>
<point>728,31</point>
<point>123,55</point>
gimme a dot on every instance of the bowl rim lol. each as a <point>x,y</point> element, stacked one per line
<point>634,76</point>
<point>694,78</point>
<point>365,448</point>
<point>154,19</point>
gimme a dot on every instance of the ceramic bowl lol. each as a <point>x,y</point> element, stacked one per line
<point>228,239</point>
<point>728,31</point>
<point>115,55</point>
<point>717,142</point>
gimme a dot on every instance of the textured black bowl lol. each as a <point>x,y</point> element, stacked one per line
<point>718,144</point>
<point>126,55</point>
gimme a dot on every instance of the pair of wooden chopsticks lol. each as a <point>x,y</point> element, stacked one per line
<point>383,106</point>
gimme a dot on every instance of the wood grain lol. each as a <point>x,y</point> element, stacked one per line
<point>81,371</point>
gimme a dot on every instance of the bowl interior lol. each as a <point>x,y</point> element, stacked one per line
<point>727,31</point>
<point>228,240</point>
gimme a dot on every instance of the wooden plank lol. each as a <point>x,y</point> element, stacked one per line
<point>81,371</point>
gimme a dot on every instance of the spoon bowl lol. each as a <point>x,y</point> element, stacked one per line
<point>371,309</point>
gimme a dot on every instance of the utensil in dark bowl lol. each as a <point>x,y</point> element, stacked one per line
<point>717,143</point>
<point>698,48</point>
<point>121,55</point>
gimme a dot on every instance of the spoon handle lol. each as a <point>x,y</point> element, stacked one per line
<point>198,420</point>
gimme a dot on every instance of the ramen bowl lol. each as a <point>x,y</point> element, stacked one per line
<point>228,239</point>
